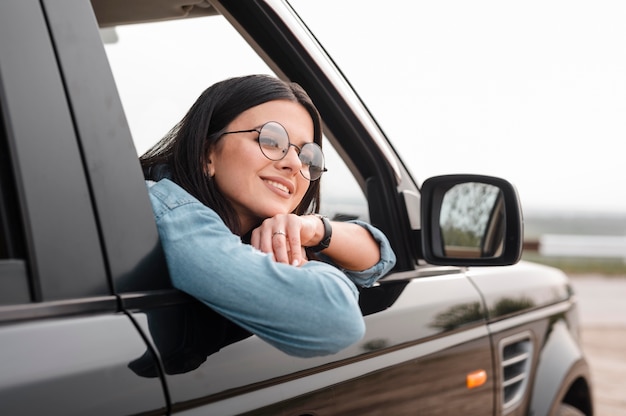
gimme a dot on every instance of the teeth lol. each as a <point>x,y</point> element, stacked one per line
<point>279,186</point>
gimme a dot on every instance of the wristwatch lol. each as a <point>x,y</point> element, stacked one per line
<point>328,232</point>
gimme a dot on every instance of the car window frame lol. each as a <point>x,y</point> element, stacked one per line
<point>60,235</point>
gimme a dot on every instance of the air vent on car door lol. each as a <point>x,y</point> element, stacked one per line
<point>515,358</point>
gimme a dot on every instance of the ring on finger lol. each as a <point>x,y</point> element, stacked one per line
<point>279,232</point>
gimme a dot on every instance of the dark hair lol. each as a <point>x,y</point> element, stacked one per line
<point>184,150</point>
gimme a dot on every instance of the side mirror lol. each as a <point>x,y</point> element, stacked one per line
<point>470,220</point>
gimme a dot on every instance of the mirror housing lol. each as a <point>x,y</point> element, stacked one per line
<point>470,220</point>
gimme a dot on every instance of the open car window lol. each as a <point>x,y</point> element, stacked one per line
<point>161,68</point>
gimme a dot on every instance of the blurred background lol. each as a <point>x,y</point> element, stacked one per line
<point>533,92</point>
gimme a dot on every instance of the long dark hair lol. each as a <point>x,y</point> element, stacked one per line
<point>184,150</point>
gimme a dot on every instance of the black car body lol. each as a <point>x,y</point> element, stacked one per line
<point>89,323</point>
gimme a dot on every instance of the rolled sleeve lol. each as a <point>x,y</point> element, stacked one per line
<point>368,277</point>
<point>304,311</point>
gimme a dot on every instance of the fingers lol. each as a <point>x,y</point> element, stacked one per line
<point>280,236</point>
<point>280,246</point>
<point>294,240</point>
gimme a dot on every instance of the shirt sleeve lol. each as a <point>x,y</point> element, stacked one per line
<point>368,277</point>
<point>304,311</point>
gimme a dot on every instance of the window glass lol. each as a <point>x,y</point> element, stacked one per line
<point>161,68</point>
<point>341,196</point>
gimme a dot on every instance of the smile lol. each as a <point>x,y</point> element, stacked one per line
<point>278,186</point>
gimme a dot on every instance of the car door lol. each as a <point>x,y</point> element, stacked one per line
<point>65,344</point>
<point>426,337</point>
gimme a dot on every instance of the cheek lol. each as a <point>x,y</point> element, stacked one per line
<point>234,166</point>
<point>303,186</point>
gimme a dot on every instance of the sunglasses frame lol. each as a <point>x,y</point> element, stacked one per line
<point>289,144</point>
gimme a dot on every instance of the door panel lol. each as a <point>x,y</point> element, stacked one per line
<point>74,366</point>
<point>528,311</point>
<point>431,385</point>
<point>423,337</point>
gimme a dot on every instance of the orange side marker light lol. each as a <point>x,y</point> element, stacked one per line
<point>476,379</point>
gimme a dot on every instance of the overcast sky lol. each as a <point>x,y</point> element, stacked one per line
<point>532,91</point>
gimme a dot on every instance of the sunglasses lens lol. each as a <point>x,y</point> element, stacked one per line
<point>312,160</point>
<point>273,141</point>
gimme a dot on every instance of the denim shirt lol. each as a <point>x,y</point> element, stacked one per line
<point>304,311</point>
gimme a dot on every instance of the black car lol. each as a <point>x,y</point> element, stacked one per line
<point>90,324</point>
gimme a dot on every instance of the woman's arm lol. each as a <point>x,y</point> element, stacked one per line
<point>304,311</point>
<point>351,247</point>
<point>357,248</point>
<point>367,277</point>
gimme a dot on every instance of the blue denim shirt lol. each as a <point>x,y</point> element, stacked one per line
<point>304,311</point>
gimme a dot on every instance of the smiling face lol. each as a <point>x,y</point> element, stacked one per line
<point>257,187</point>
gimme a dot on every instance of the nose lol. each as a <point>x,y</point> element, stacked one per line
<point>292,159</point>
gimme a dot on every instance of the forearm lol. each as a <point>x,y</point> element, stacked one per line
<point>308,311</point>
<point>359,249</point>
<point>367,277</point>
<point>352,247</point>
<point>304,311</point>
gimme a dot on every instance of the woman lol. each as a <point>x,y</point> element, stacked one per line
<point>243,166</point>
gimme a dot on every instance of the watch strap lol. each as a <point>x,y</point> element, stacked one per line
<point>328,232</point>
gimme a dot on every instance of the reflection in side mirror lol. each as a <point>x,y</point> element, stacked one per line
<point>470,220</point>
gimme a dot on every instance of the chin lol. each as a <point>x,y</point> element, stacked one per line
<point>278,211</point>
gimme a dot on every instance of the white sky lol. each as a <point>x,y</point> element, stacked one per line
<point>531,91</point>
<point>534,91</point>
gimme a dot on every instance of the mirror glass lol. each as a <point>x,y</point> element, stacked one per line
<point>472,221</point>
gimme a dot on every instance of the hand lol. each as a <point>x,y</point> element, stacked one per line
<point>285,236</point>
